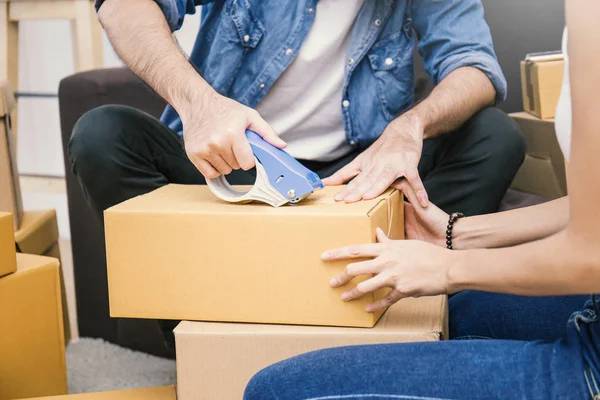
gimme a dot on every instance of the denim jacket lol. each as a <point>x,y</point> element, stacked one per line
<point>243,46</point>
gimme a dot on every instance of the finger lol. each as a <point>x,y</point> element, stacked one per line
<point>412,176</point>
<point>381,236</point>
<point>364,181</point>
<point>263,129</point>
<point>219,164</point>
<point>381,183</point>
<point>206,169</point>
<point>370,285</point>
<point>343,175</point>
<point>407,190</point>
<point>230,159</point>
<point>243,154</point>
<point>387,301</point>
<point>355,269</point>
<point>368,250</point>
<point>341,196</point>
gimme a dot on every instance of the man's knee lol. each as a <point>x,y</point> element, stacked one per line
<point>96,134</point>
<point>500,136</point>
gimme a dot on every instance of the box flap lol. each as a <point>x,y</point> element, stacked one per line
<point>198,199</point>
<point>38,233</point>
<point>153,393</point>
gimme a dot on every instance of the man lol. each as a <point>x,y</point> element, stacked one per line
<point>332,80</point>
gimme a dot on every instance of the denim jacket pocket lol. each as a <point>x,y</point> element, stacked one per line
<point>392,65</point>
<point>249,28</point>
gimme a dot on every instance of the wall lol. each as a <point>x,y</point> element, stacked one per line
<point>520,27</point>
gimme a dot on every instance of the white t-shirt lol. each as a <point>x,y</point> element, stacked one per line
<point>563,118</point>
<point>304,106</point>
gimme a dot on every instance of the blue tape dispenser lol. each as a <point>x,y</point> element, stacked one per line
<point>280,178</point>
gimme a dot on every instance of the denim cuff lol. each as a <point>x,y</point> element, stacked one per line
<point>484,62</point>
<point>168,7</point>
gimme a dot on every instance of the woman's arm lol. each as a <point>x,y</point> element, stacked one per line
<point>511,228</point>
<point>567,262</point>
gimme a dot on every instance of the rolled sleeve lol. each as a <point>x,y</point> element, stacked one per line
<point>173,10</point>
<point>454,34</point>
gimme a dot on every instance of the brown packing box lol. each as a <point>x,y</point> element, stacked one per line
<point>154,393</point>
<point>541,85</point>
<point>32,346</point>
<point>39,235</point>
<point>10,191</point>
<point>8,260</point>
<point>543,171</point>
<point>216,360</point>
<point>181,253</point>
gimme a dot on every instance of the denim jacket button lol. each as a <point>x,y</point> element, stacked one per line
<point>262,85</point>
<point>346,103</point>
<point>311,10</point>
<point>289,52</point>
<point>350,61</point>
<point>377,22</point>
<point>353,143</point>
<point>247,38</point>
<point>389,61</point>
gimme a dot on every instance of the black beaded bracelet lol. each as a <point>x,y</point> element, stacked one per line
<point>451,220</point>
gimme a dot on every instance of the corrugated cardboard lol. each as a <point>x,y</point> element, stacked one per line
<point>181,253</point>
<point>8,259</point>
<point>216,360</point>
<point>541,85</point>
<point>32,350</point>
<point>39,235</point>
<point>154,393</point>
<point>10,190</point>
<point>543,171</point>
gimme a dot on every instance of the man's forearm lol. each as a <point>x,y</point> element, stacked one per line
<point>511,228</point>
<point>457,98</point>
<point>141,37</point>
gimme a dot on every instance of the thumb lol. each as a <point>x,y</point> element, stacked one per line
<point>264,130</point>
<point>381,236</point>
<point>343,175</point>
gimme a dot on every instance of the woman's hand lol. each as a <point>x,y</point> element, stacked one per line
<point>410,268</point>
<point>422,223</point>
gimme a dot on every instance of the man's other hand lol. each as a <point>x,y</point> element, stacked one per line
<point>215,135</point>
<point>394,155</point>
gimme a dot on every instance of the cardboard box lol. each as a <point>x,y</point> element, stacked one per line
<point>8,259</point>
<point>32,345</point>
<point>181,253</point>
<point>154,393</point>
<point>10,190</point>
<point>543,170</point>
<point>39,235</point>
<point>216,360</point>
<point>541,85</point>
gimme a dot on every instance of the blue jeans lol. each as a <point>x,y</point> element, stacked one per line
<point>534,354</point>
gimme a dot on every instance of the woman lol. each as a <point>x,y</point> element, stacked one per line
<point>548,250</point>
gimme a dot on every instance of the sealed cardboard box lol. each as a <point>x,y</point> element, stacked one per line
<point>153,393</point>
<point>39,235</point>
<point>181,253</point>
<point>543,170</point>
<point>216,360</point>
<point>8,260</point>
<point>10,191</point>
<point>32,346</point>
<point>541,80</point>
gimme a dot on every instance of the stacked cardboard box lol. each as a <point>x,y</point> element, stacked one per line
<point>36,232</point>
<point>255,273</point>
<point>543,171</point>
<point>155,393</point>
<point>32,345</point>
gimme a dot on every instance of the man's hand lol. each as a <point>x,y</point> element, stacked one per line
<point>394,155</point>
<point>215,139</point>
